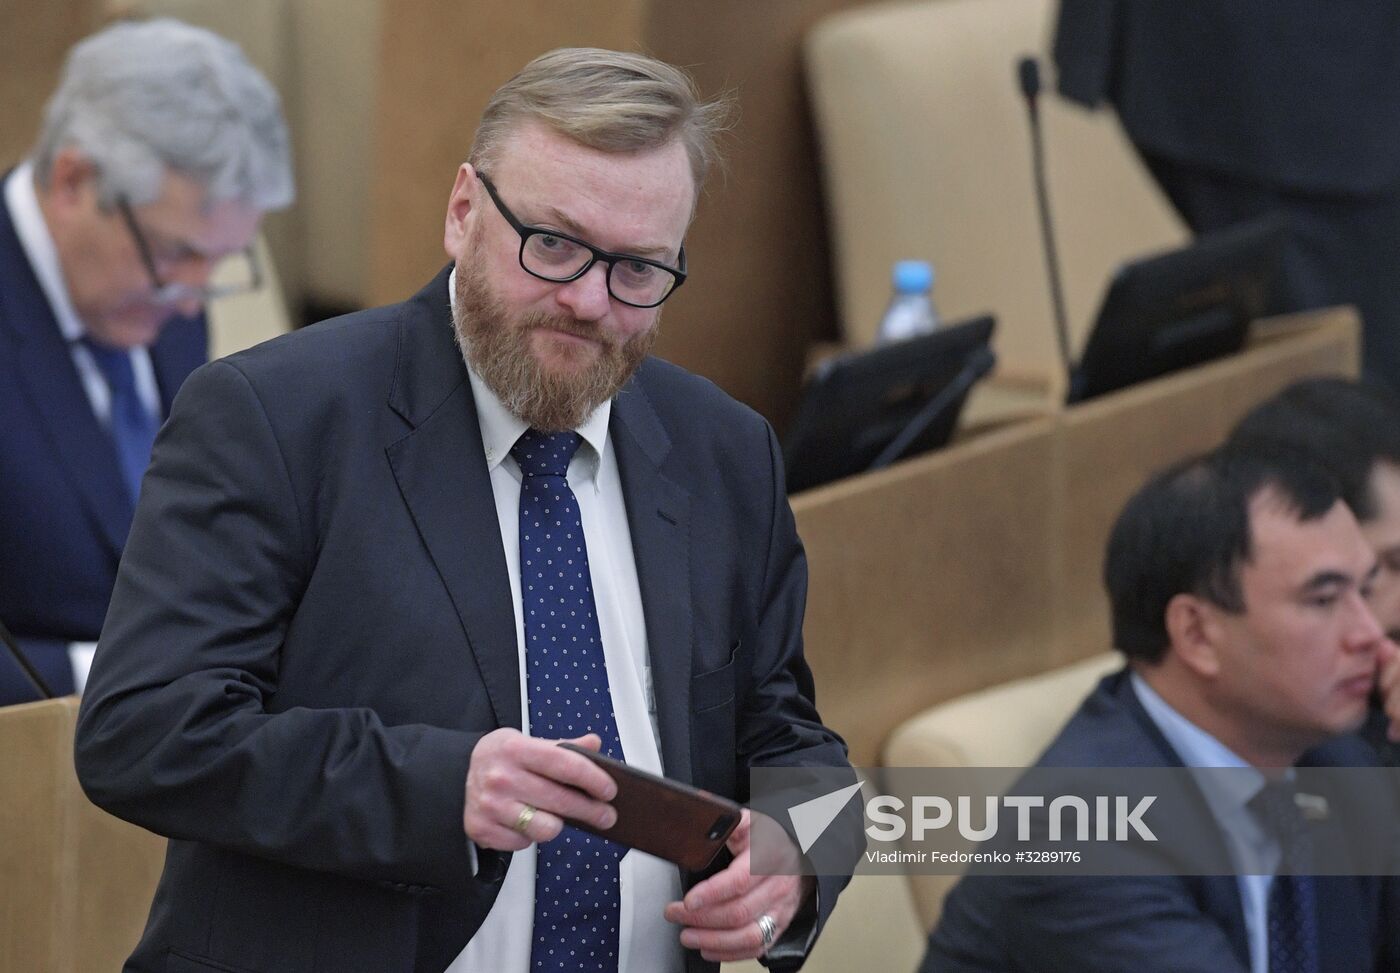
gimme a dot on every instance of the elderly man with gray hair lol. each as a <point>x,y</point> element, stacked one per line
<point>160,152</point>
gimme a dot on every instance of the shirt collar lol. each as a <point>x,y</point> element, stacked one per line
<point>22,200</point>
<point>500,428</point>
<point>1226,793</point>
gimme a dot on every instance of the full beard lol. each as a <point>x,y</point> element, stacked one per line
<point>498,348</point>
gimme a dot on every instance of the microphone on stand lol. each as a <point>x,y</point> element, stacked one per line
<point>30,672</point>
<point>1028,74</point>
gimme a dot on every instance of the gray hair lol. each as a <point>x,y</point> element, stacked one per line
<point>614,101</point>
<point>142,98</point>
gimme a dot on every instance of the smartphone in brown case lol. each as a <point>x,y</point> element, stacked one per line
<point>663,817</point>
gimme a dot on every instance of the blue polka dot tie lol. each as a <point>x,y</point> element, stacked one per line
<point>577,894</point>
<point>132,428</point>
<point>1293,934</point>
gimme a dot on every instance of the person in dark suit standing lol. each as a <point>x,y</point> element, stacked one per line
<point>381,565</point>
<point>1264,106</point>
<point>1238,584</point>
<point>160,151</point>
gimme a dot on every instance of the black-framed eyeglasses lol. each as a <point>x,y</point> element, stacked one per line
<point>560,258</point>
<point>239,273</point>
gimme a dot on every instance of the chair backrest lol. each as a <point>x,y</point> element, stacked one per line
<point>244,320</point>
<point>926,154</point>
<point>1004,726</point>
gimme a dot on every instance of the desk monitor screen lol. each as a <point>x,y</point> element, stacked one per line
<point>1179,309</point>
<point>866,410</point>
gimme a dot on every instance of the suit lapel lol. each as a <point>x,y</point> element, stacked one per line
<point>45,370</point>
<point>1220,894</point>
<point>440,468</point>
<point>658,516</point>
<point>1350,907</point>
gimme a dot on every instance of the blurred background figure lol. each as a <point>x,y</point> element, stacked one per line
<point>1353,430</point>
<point>159,153</point>
<point>1264,106</point>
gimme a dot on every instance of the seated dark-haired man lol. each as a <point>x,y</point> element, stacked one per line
<point>1238,585</point>
<point>1353,430</point>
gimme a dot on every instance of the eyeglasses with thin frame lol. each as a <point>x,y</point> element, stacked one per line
<point>173,291</point>
<point>560,258</point>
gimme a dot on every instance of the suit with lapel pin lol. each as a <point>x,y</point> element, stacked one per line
<point>1154,923</point>
<point>313,626</point>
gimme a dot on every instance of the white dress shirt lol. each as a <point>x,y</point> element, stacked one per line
<point>22,201</point>
<point>1250,847</point>
<point>647,942</point>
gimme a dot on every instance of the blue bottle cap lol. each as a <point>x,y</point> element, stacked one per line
<point>913,276</point>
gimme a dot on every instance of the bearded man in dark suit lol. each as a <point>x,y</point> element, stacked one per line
<point>382,565</point>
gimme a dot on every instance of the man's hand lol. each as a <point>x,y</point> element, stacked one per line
<point>720,915</point>
<point>520,788</point>
<point>1388,684</point>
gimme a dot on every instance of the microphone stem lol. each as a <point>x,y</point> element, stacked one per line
<point>1047,234</point>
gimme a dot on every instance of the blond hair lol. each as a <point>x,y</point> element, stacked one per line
<point>613,101</point>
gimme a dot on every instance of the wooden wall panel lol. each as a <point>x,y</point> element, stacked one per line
<point>34,37</point>
<point>439,61</point>
<point>760,291</point>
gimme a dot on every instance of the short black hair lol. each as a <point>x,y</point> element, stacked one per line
<point>1347,426</point>
<point>1187,531</point>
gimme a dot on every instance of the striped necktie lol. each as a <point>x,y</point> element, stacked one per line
<point>132,428</point>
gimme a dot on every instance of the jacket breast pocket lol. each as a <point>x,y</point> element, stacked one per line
<point>715,688</point>
<point>714,726</point>
<point>177,961</point>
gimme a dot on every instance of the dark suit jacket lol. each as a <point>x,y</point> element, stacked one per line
<point>312,627</point>
<point>64,513</point>
<point>1171,924</point>
<point>1296,94</point>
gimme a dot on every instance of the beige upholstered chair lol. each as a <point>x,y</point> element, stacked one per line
<point>1004,726</point>
<point>244,320</point>
<point>926,154</point>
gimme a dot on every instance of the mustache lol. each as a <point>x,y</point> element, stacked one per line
<point>570,326</point>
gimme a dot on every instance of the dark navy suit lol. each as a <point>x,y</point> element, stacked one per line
<point>313,626</point>
<point>1147,924</point>
<point>64,512</point>
<point>1246,107</point>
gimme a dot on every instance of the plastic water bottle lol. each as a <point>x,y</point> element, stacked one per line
<point>911,312</point>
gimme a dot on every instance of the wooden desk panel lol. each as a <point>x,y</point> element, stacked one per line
<point>900,563</point>
<point>981,563</point>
